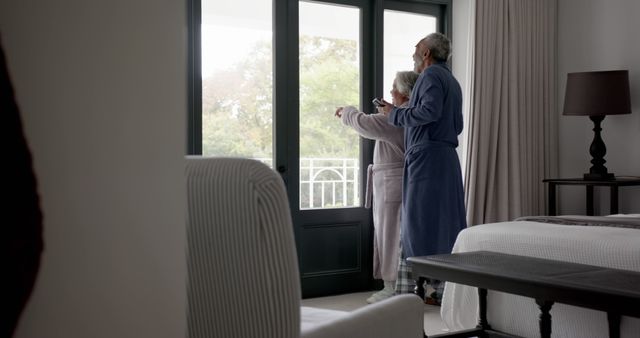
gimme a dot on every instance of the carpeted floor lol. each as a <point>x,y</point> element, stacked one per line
<point>351,301</point>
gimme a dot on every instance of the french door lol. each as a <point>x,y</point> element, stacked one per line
<point>265,81</point>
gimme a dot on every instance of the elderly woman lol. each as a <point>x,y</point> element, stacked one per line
<point>384,181</point>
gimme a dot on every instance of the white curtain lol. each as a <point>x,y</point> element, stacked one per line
<point>512,129</point>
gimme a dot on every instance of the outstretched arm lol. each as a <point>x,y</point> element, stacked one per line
<point>372,126</point>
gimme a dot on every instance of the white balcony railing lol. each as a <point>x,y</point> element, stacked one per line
<point>328,182</point>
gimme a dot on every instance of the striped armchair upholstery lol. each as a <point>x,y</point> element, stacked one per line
<point>243,278</point>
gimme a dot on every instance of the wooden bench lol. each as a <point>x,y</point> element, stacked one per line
<point>614,291</point>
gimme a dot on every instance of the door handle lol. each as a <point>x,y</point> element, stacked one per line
<point>282,170</point>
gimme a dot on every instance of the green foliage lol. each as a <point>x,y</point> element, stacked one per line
<point>237,113</point>
<point>237,104</point>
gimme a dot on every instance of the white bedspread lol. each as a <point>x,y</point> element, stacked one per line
<point>603,246</point>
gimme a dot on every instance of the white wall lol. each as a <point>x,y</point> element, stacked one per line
<point>599,35</point>
<point>102,89</point>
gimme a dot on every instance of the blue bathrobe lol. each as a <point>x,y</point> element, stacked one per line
<point>432,195</point>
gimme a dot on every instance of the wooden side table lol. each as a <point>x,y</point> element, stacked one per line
<point>614,291</point>
<point>612,184</point>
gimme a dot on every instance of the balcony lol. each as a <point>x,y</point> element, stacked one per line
<point>328,182</point>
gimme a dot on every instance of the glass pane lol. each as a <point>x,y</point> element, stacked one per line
<point>237,109</point>
<point>329,77</point>
<point>402,30</point>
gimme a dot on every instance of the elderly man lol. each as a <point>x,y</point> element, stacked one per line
<point>432,198</point>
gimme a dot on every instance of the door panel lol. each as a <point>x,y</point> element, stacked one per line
<point>345,256</point>
<point>333,230</point>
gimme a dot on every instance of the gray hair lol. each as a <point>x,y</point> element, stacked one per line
<point>405,81</point>
<point>439,45</point>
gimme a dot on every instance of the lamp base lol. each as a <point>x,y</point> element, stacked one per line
<point>597,150</point>
<point>599,177</point>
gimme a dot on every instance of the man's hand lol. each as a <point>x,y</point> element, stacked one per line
<point>386,109</point>
<point>338,112</point>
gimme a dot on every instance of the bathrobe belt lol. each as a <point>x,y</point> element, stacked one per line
<point>370,172</point>
<point>422,145</point>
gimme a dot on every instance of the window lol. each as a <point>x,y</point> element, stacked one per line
<point>401,32</point>
<point>265,80</point>
<point>329,77</point>
<point>237,79</point>
<point>233,111</point>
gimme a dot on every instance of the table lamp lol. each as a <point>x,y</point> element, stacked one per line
<point>596,94</point>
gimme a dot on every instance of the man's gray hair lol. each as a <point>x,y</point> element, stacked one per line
<point>405,80</point>
<point>439,45</point>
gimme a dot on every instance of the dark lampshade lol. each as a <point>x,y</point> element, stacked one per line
<point>596,94</point>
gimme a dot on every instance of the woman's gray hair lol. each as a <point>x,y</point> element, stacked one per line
<point>405,81</point>
<point>439,45</point>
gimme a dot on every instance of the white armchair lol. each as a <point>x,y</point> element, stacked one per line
<point>243,278</point>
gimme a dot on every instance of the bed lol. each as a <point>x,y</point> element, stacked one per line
<point>612,241</point>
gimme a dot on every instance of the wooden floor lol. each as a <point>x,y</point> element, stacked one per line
<point>349,302</point>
